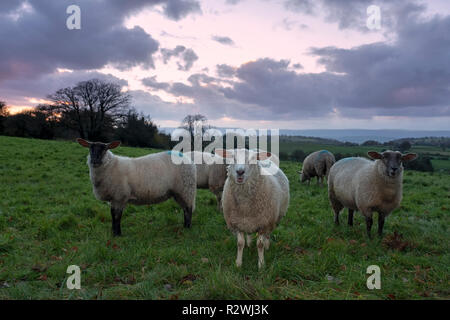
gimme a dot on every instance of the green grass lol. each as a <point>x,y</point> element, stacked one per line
<point>310,146</point>
<point>49,219</point>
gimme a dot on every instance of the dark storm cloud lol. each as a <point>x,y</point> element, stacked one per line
<point>410,77</point>
<point>187,57</point>
<point>414,72</point>
<point>167,54</point>
<point>223,40</point>
<point>198,78</point>
<point>151,82</point>
<point>269,83</point>
<point>41,86</point>
<point>7,6</point>
<point>233,2</point>
<point>225,71</point>
<point>35,39</point>
<point>353,14</point>
<point>177,9</point>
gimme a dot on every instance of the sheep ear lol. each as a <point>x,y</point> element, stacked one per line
<point>83,142</point>
<point>374,155</point>
<point>263,155</point>
<point>409,157</point>
<point>113,144</point>
<point>223,153</point>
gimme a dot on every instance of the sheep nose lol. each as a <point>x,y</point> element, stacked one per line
<point>240,172</point>
<point>394,169</point>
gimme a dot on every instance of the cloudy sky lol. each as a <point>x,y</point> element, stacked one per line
<point>292,64</point>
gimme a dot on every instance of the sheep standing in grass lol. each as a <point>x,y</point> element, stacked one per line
<point>252,200</point>
<point>317,164</point>
<point>145,180</point>
<point>211,173</point>
<point>367,186</point>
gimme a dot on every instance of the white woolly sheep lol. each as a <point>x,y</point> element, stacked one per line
<point>211,173</point>
<point>367,186</point>
<point>150,179</point>
<point>317,164</point>
<point>253,201</point>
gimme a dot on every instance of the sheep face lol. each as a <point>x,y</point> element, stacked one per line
<point>245,163</point>
<point>97,150</point>
<point>392,161</point>
<point>303,176</point>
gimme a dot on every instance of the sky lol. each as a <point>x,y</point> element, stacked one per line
<point>281,64</point>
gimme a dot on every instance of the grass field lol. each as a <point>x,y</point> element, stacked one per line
<point>49,219</point>
<point>309,145</point>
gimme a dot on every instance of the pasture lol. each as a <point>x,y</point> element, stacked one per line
<point>49,219</point>
<point>309,145</point>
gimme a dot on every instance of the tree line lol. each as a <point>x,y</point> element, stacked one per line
<point>94,109</point>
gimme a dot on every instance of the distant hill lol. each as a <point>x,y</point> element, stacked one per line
<point>361,135</point>
<point>356,135</point>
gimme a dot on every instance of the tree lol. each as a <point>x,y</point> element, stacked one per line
<point>3,114</point>
<point>2,108</point>
<point>195,124</point>
<point>92,107</point>
<point>37,123</point>
<point>298,155</point>
<point>404,146</point>
<point>138,130</point>
<point>370,143</point>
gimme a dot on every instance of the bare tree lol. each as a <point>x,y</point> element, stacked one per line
<point>195,124</point>
<point>3,111</point>
<point>192,122</point>
<point>90,106</point>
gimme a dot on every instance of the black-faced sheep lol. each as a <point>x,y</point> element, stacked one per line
<point>317,164</point>
<point>367,186</point>
<point>150,179</point>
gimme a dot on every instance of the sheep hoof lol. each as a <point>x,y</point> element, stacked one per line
<point>238,263</point>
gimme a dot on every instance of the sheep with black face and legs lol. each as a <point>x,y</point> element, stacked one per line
<point>317,164</point>
<point>367,186</point>
<point>150,179</point>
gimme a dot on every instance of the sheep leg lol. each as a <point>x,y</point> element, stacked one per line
<point>187,217</point>
<point>369,222</point>
<point>380,224</point>
<point>186,209</point>
<point>116,215</point>
<point>350,217</point>
<point>248,239</point>
<point>260,245</point>
<point>337,207</point>
<point>266,241</point>
<point>240,248</point>
<point>219,201</point>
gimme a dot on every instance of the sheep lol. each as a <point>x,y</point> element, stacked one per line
<point>266,163</point>
<point>317,164</point>
<point>145,180</point>
<point>364,185</point>
<point>211,173</point>
<point>253,201</point>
